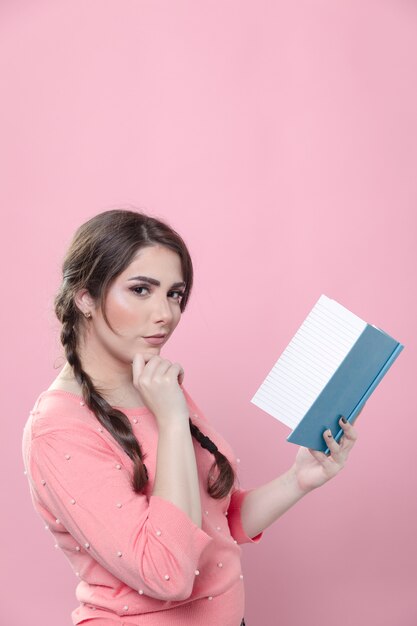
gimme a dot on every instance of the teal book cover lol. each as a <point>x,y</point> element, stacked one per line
<point>330,368</point>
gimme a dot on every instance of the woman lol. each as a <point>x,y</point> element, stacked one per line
<point>137,488</point>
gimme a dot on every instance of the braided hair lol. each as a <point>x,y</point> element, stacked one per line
<point>100,250</point>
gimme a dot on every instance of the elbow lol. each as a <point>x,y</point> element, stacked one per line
<point>182,591</point>
<point>174,592</point>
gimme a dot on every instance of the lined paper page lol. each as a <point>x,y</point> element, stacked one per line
<point>309,361</point>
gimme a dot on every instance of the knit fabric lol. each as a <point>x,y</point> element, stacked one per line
<point>138,558</point>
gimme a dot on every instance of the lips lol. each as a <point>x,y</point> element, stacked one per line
<point>156,340</point>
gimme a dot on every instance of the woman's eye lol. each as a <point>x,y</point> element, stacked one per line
<point>180,294</point>
<point>135,289</point>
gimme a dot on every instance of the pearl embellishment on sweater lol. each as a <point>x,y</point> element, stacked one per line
<point>216,514</point>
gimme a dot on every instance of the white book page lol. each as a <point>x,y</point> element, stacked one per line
<point>309,361</point>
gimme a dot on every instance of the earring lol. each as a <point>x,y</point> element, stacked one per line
<point>87,315</point>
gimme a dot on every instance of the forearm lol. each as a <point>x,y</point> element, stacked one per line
<point>176,477</point>
<point>265,504</point>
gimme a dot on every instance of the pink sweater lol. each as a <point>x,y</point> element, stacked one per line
<point>138,558</point>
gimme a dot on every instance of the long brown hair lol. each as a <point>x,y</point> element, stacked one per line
<point>100,250</point>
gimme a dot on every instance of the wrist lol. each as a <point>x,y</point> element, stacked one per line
<point>172,423</point>
<point>298,487</point>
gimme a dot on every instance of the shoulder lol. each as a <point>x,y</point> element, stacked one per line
<point>60,425</point>
<point>56,409</point>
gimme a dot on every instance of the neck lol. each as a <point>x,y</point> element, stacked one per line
<point>111,377</point>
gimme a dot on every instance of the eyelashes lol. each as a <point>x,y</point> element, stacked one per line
<point>138,287</point>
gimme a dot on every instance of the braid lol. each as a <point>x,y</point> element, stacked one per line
<point>113,420</point>
<point>226,475</point>
<point>101,249</point>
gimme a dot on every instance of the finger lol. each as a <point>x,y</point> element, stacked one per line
<point>325,461</point>
<point>350,434</point>
<point>331,443</point>
<point>143,372</point>
<point>145,356</point>
<point>180,374</point>
<point>156,366</point>
<point>177,371</point>
<point>319,456</point>
<point>138,364</point>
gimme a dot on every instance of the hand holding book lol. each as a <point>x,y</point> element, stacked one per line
<point>323,378</point>
<point>312,468</point>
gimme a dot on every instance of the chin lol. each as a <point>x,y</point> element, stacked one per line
<point>150,350</point>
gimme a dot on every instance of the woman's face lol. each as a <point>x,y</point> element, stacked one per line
<point>137,308</point>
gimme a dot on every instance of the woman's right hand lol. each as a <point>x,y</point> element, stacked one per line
<point>158,382</point>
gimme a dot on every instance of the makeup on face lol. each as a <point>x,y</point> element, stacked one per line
<point>145,299</point>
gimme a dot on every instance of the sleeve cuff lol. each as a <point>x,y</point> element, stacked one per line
<point>234,518</point>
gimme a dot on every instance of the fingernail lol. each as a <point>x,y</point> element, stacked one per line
<point>329,434</point>
<point>344,420</point>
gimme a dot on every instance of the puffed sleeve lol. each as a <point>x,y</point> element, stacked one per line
<point>234,518</point>
<point>147,543</point>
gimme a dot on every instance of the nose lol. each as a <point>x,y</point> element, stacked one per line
<point>162,310</point>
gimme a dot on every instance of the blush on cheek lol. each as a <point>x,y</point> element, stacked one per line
<point>121,315</point>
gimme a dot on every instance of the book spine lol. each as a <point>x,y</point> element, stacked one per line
<point>370,389</point>
<point>354,380</point>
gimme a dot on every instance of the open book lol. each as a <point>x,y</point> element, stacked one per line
<point>329,369</point>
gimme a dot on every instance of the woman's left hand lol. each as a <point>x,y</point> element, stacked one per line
<point>313,468</point>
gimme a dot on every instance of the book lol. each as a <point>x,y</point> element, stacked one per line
<point>329,369</point>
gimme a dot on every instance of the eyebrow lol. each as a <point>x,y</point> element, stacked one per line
<point>153,281</point>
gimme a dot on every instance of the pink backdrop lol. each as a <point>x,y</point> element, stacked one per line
<point>280,139</point>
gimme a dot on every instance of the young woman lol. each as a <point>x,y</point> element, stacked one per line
<point>138,489</point>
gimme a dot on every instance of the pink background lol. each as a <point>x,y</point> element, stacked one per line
<point>280,139</point>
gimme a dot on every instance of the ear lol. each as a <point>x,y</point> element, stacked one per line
<point>85,303</point>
